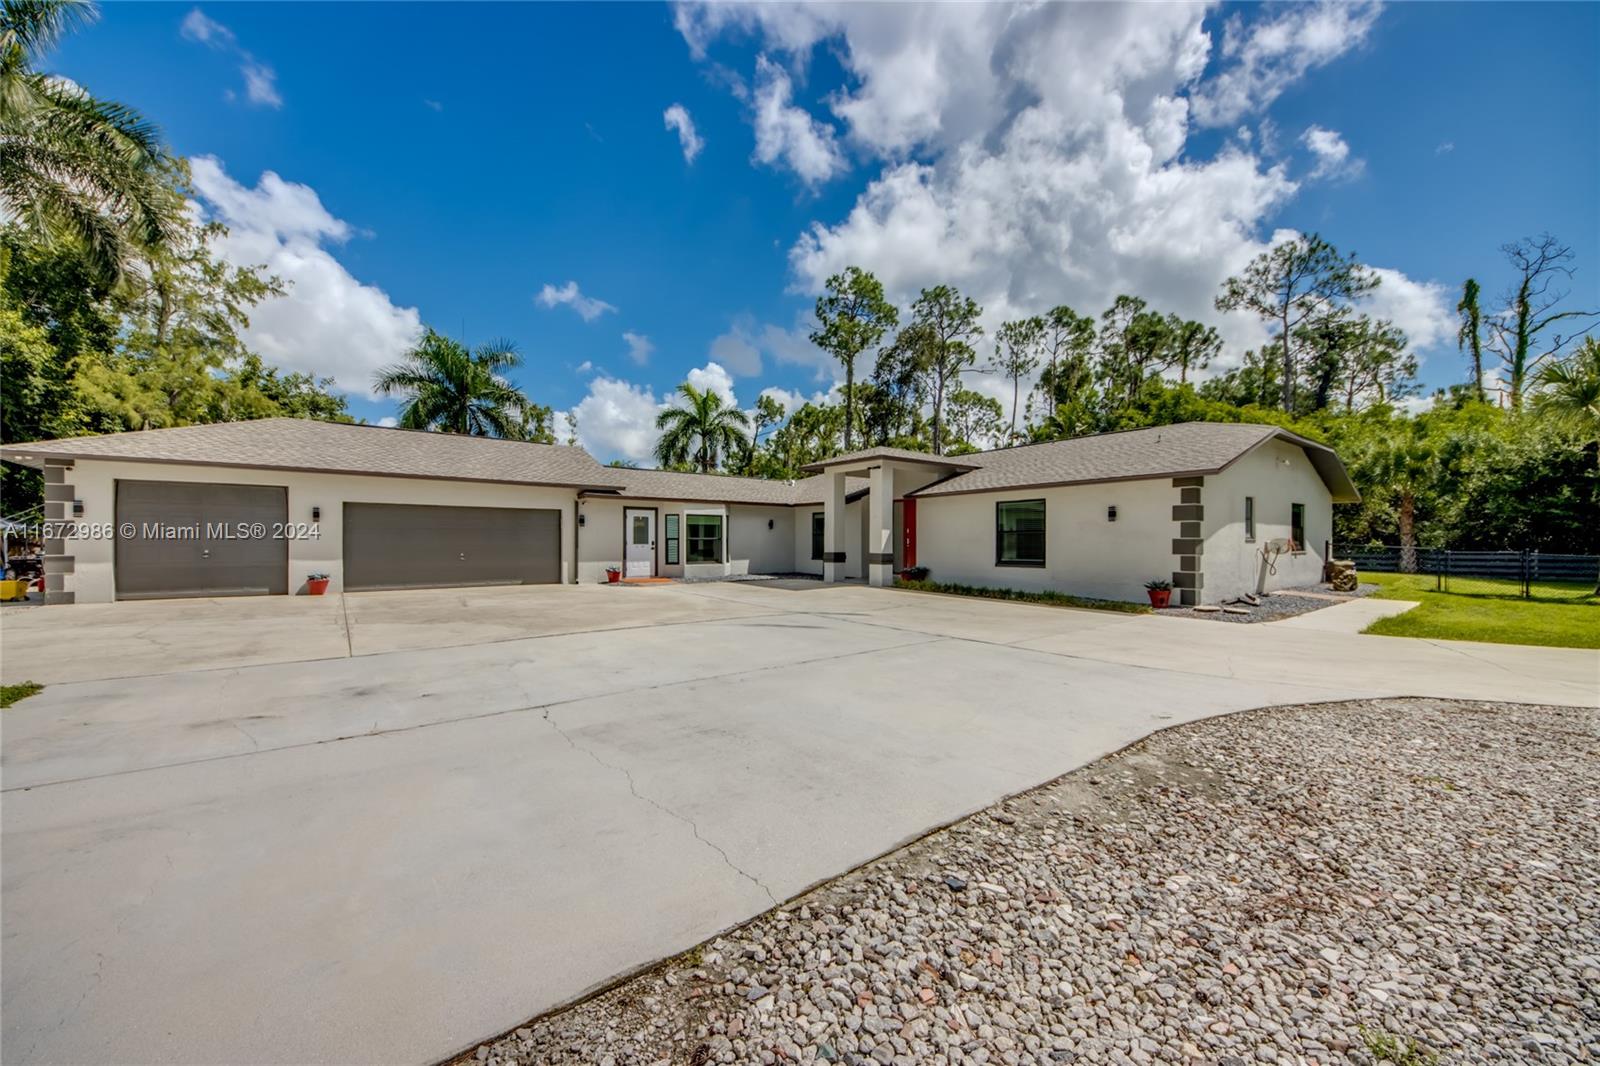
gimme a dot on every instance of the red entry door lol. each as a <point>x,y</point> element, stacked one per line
<point>908,520</point>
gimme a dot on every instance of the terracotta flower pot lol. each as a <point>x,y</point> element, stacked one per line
<point>316,586</point>
<point>613,575</point>
<point>1159,598</point>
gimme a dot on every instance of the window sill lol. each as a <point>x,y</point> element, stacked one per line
<point>1030,566</point>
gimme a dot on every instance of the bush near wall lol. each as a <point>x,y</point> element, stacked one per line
<point>1048,599</point>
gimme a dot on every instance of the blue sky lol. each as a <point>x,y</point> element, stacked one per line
<point>443,164</point>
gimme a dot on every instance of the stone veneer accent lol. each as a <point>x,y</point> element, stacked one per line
<point>58,497</point>
<point>1189,545</point>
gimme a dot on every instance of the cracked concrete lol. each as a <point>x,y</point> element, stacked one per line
<point>693,828</point>
<point>280,837</point>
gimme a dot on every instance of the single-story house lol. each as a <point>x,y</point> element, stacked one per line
<point>256,507</point>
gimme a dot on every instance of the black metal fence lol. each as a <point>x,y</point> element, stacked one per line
<point>1521,574</point>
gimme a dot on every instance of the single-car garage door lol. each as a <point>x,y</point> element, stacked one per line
<point>396,546</point>
<point>181,538</point>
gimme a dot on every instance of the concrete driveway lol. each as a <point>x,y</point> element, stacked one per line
<point>382,827</point>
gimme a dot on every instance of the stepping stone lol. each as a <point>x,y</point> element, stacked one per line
<point>1207,608</point>
<point>1235,610</point>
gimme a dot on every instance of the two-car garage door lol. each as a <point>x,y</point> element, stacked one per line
<point>199,539</point>
<point>390,546</point>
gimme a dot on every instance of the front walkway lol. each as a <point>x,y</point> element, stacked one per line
<point>1352,616</point>
<point>418,817</point>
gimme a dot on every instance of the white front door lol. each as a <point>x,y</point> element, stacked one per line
<point>639,530</point>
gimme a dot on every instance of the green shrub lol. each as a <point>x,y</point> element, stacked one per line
<point>1048,599</point>
<point>1387,1048</point>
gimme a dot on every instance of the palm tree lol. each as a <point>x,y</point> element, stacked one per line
<point>448,388</point>
<point>74,168</point>
<point>702,433</point>
<point>1569,389</point>
<point>1403,461</point>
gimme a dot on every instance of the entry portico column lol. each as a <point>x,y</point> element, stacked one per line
<point>880,525</point>
<point>833,527</point>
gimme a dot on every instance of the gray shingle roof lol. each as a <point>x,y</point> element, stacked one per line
<point>331,447</point>
<point>1188,448</point>
<point>707,488</point>
<point>958,462</point>
<point>724,488</point>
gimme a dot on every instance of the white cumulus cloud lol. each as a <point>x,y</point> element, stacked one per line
<point>1267,55</point>
<point>570,295</point>
<point>788,135</point>
<point>1424,309</point>
<point>713,378</point>
<point>793,399</point>
<point>677,119</point>
<point>1331,154</point>
<point>1035,155</point>
<point>616,419</point>
<point>329,323</point>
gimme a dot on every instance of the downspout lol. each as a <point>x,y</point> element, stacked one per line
<point>577,533</point>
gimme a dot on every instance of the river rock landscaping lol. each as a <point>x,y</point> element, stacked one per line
<point>1409,881</point>
<point>1273,606</point>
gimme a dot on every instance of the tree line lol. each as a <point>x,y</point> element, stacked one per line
<point>1508,458</point>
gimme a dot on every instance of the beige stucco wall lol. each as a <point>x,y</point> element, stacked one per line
<point>751,547</point>
<point>94,481</point>
<point>1277,474</point>
<point>755,547</point>
<point>854,524</point>
<point>600,541</point>
<point>1085,554</point>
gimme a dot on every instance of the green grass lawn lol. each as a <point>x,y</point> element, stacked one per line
<point>10,694</point>
<point>1560,616</point>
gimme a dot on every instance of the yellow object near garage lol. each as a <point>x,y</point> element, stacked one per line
<point>13,590</point>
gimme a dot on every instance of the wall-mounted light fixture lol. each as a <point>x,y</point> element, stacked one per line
<point>1111,513</point>
<point>769,523</point>
<point>77,508</point>
<point>316,514</point>
<point>581,517</point>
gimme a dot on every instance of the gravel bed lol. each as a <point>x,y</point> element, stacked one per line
<point>1295,885</point>
<point>1280,603</point>
<point>817,578</point>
